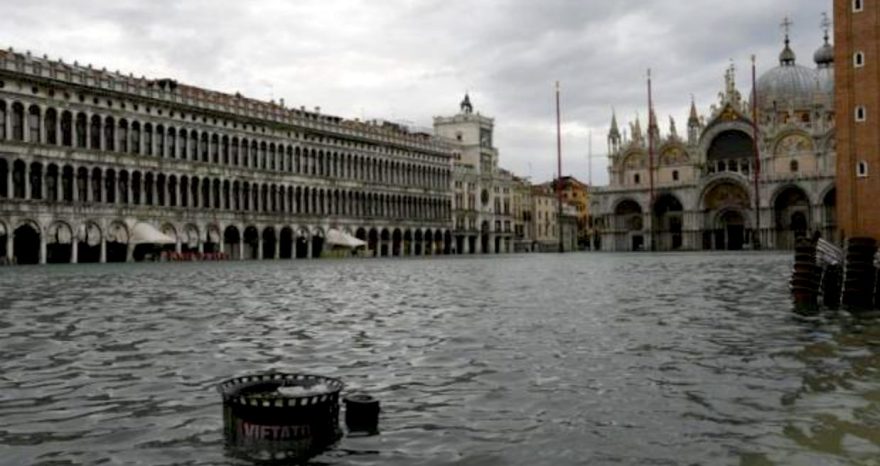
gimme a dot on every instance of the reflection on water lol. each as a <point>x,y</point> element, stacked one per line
<point>664,359</point>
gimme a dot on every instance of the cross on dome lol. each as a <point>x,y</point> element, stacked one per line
<point>786,26</point>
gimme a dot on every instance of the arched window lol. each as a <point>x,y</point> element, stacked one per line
<point>184,191</point>
<point>51,123</point>
<point>181,144</point>
<point>148,139</point>
<point>123,136</point>
<point>193,146</point>
<point>2,120</point>
<point>161,189</point>
<point>135,188</point>
<point>206,193</point>
<point>204,149</point>
<point>94,134</point>
<point>272,157</point>
<point>135,138</point>
<point>215,149</point>
<point>225,150</point>
<point>674,175</point>
<point>97,185</point>
<point>67,129</point>
<point>17,122</point>
<point>110,186</point>
<point>862,169</point>
<point>194,191</point>
<point>34,124</point>
<point>81,125</point>
<point>109,132</point>
<point>172,191</point>
<point>793,166</point>
<point>215,193</point>
<point>148,189</point>
<point>859,59</point>
<point>637,178</point>
<point>861,113</point>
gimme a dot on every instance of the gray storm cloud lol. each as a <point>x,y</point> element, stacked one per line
<point>409,60</point>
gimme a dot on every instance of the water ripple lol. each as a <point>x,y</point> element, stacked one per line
<point>632,359</point>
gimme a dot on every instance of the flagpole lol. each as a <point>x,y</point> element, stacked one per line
<point>590,160</point>
<point>651,157</point>
<point>589,189</point>
<point>756,240</point>
<point>559,167</point>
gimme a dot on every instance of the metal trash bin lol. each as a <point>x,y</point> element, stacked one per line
<point>278,416</point>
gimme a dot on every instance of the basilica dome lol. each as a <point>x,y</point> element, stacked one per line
<point>824,58</point>
<point>787,85</point>
<point>825,55</point>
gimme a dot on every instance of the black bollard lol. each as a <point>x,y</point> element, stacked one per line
<point>362,413</point>
<point>877,289</point>
<point>859,275</point>
<point>805,278</point>
<point>832,280</point>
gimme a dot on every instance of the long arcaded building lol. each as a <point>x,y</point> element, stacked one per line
<point>93,163</point>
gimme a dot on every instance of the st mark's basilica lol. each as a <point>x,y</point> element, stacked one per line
<point>704,193</point>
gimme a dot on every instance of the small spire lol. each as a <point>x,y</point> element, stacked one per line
<point>826,25</point>
<point>787,57</point>
<point>693,118</point>
<point>615,131</point>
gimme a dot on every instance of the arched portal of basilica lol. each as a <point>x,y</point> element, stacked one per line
<point>726,207</point>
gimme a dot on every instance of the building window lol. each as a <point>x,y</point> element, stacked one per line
<point>859,59</point>
<point>857,5</point>
<point>862,169</point>
<point>861,113</point>
<point>637,179</point>
<point>794,166</point>
<point>674,175</point>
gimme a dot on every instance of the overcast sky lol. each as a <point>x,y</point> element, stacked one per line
<point>410,60</point>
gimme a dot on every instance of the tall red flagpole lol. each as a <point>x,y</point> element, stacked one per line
<point>559,167</point>
<point>756,240</point>
<point>651,124</point>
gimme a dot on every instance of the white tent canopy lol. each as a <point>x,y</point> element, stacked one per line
<point>144,233</point>
<point>343,239</point>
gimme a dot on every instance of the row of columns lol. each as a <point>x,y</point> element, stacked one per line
<point>384,248</point>
<point>356,168</point>
<point>283,200</point>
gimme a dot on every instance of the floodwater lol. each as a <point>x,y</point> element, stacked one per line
<point>517,360</point>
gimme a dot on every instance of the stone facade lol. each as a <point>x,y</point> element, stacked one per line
<point>483,192</point>
<point>523,215</point>
<point>577,194</point>
<point>89,157</point>
<point>705,189</point>
<point>545,233</point>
